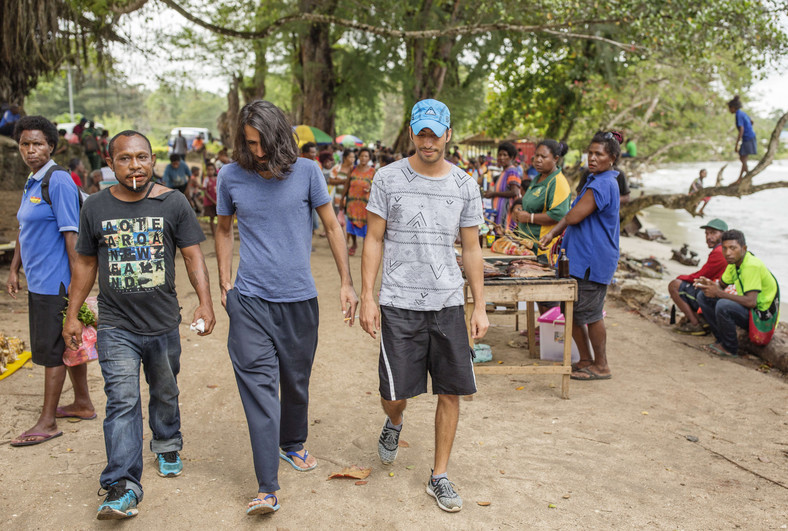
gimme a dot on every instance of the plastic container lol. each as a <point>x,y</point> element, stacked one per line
<point>551,336</point>
<point>482,353</point>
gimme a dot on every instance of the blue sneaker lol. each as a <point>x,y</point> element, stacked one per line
<point>120,503</point>
<point>169,464</point>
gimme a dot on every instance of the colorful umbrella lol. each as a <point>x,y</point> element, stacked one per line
<point>307,133</point>
<point>349,140</point>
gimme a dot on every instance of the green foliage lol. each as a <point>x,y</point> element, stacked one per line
<point>121,106</point>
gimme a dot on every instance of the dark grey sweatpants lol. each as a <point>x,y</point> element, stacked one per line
<point>272,346</point>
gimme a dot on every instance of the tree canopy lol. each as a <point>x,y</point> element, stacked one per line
<point>556,68</point>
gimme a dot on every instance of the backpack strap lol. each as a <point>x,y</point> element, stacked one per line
<point>45,182</point>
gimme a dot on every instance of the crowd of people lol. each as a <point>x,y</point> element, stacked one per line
<point>409,208</point>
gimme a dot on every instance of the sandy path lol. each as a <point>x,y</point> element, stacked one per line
<point>598,457</point>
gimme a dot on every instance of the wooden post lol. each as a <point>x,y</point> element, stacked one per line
<point>570,306</point>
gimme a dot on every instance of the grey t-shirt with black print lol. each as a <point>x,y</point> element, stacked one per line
<point>423,217</point>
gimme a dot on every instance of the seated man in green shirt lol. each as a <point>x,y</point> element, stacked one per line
<point>755,286</point>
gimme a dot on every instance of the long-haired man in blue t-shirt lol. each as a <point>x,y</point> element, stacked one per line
<point>273,306</point>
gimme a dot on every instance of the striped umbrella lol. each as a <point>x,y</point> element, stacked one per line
<point>349,140</point>
<point>307,133</point>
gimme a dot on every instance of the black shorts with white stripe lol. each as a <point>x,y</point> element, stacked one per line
<point>413,343</point>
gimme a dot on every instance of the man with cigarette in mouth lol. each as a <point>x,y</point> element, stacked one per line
<point>272,305</point>
<point>128,235</point>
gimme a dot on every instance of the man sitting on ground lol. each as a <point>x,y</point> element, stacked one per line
<point>682,290</point>
<point>756,288</point>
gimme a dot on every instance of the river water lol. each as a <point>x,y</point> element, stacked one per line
<point>762,217</point>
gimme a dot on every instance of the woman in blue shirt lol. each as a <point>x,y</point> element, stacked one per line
<point>591,243</point>
<point>745,142</point>
<point>45,248</point>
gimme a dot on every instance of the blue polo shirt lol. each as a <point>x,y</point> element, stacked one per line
<point>592,244</point>
<point>41,229</point>
<point>742,120</point>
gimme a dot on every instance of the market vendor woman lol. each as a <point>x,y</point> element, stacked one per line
<point>591,243</point>
<point>45,248</point>
<point>547,198</point>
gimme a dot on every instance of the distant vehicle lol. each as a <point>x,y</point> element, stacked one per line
<point>189,133</point>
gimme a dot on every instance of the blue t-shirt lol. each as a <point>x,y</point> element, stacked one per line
<point>742,120</point>
<point>176,177</point>
<point>592,244</point>
<point>41,228</point>
<point>275,228</point>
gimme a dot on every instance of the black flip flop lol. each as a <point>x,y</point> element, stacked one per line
<point>591,375</point>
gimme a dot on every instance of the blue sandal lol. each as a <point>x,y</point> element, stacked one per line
<point>263,507</point>
<point>287,456</point>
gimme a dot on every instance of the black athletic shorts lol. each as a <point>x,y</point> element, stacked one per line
<point>413,343</point>
<point>45,314</point>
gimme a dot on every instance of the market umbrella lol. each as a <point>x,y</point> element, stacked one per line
<point>307,133</point>
<point>349,140</point>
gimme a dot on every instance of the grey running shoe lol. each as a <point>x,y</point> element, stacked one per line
<point>388,444</point>
<point>444,493</point>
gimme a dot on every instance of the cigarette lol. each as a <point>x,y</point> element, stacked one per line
<point>349,318</point>
<point>134,180</point>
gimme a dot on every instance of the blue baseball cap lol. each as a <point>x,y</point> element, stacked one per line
<point>430,114</point>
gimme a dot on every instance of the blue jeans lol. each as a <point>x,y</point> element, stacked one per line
<point>723,316</point>
<point>120,353</point>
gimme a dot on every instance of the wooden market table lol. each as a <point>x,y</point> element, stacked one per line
<point>531,290</point>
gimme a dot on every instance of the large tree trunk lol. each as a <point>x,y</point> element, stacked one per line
<point>317,70</point>
<point>428,61</point>
<point>226,123</point>
<point>254,88</point>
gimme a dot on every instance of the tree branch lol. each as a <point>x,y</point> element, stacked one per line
<point>126,7</point>
<point>620,116</point>
<point>771,150</point>
<point>667,147</point>
<point>316,18</point>
<point>689,202</point>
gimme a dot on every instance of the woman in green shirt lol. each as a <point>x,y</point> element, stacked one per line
<point>547,198</point>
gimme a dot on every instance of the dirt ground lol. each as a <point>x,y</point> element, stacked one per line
<point>615,455</point>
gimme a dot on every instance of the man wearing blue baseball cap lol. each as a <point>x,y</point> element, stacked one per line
<point>418,206</point>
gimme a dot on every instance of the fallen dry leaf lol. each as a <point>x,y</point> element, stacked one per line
<point>404,444</point>
<point>502,471</point>
<point>360,482</point>
<point>764,459</point>
<point>212,386</point>
<point>410,467</point>
<point>644,412</point>
<point>519,388</point>
<point>565,496</point>
<point>551,506</point>
<point>352,472</point>
<point>483,504</point>
<point>500,363</point>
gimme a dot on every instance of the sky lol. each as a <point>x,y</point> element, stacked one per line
<point>772,92</point>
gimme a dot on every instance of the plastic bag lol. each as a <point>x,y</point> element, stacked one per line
<point>92,303</point>
<point>86,351</point>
